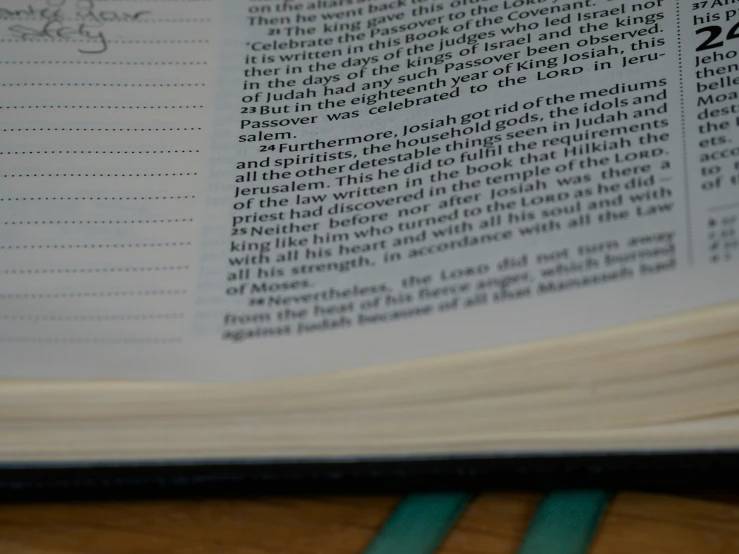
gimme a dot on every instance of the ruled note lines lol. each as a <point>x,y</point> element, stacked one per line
<point>87,129</point>
<point>151,85</point>
<point>104,239</point>
<point>55,62</point>
<point>105,317</point>
<point>87,41</point>
<point>101,107</point>
<point>93,270</point>
<point>94,294</point>
<point>92,340</point>
<point>19,175</point>
<point>99,246</point>
<point>83,20</point>
<point>99,222</point>
<point>30,198</point>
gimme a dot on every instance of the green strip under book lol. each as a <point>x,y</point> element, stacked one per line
<point>418,524</point>
<point>564,523</point>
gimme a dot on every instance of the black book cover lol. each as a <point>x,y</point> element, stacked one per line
<point>181,479</point>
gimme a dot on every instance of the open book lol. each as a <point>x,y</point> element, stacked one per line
<point>277,230</point>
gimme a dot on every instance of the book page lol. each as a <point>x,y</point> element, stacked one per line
<point>242,189</point>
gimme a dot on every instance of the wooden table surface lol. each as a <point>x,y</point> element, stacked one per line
<point>494,523</point>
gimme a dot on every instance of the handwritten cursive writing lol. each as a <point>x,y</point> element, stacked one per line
<point>67,20</point>
<point>59,30</point>
<point>47,12</point>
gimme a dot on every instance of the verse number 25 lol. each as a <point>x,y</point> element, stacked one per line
<point>714,33</point>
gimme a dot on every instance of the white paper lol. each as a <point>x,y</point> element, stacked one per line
<point>485,177</point>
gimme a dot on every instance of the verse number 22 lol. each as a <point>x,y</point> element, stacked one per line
<point>714,33</point>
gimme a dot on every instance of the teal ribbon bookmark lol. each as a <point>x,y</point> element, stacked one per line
<point>418,524</point>
<point>564,522</point>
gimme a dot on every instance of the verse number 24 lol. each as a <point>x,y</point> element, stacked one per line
<point>714,33</point>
